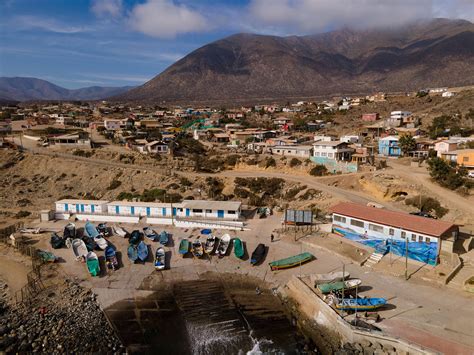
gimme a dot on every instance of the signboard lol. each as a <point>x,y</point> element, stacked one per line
<point>298,217</point>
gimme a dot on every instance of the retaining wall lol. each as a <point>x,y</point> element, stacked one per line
<point>316,309</point>
<point>106,218</point>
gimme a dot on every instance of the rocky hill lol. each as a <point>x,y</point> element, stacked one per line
<point>253,67</point>
<point>26,89</point>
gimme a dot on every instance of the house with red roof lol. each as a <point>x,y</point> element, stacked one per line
<point>390,231</point>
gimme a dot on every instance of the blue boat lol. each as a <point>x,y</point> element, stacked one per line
<point>91,230</point>
<point>135,237</point>
<point>150,233</point>
<point>132,253</point>
<point>360,304</point>
<point>142,250</point>
<point>163,238</point>
<point>111,258</point>
<point>206,231</point>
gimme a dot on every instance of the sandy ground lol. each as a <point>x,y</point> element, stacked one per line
<point>13,269</point>
<point>414,303</point>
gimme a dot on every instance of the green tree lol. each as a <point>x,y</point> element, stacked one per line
<point>406,143</point>
<point>447,174</point>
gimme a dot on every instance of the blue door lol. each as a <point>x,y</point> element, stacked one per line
<point>132,210</point>
<point>174,211</point>
<point>163,211</point>
<point>148,212</point>
<point>66,207</point>
<point>92,208</point>
<point>82,208</point>
<point>77,208</point>
<point>187,212</point>
<point>117,209</point>
<point>220,214</point>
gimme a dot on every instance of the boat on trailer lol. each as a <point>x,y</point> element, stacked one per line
<point>291,261</point>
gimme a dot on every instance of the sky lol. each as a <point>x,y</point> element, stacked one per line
<point>78,43</point>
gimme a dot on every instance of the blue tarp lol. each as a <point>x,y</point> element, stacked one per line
<point>420,251</point>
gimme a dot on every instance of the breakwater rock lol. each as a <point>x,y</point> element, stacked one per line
<point>64,319</point>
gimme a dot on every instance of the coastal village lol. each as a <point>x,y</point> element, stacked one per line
<point>354,212</point>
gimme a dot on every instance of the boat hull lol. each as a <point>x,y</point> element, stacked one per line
<point>290,262</point>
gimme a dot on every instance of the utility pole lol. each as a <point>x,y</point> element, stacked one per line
<point>406,258</point>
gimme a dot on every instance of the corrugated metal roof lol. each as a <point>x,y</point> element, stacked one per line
<point>401,220</point>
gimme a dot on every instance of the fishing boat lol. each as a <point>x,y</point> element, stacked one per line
<point>79,249</point>
<point>329,277</point>
<point>103,229</point>
<point>69,231</point>
<point>160,258</point>
<point>210,244</point>
<point>135,237</point>
<point>292,261</point>
<point>119,231</point>
<point>184,247</point>
<point>150,233</point>
<point>258,254</point>
<point>56,241</point>
<point>360,304</point>
<point>238,248</point>
<point>197,249</point>
<point>132,253</point>
<point>90,230</point>
<point>47,256</point>
<point>101,242</point>
<point>111,258</point>
<point>206,231</point>
<point>163,238</point>
<point>339,286</point>
<point>142,251</point>
<point>92,262</point>
<point>223,245</point>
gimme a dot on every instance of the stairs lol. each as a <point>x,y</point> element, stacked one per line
<point>374,259</point>
<point>462,275</point>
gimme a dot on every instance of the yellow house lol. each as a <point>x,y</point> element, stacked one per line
<point>466,158</point>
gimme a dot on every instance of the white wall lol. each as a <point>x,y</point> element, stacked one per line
<point>107,218</point>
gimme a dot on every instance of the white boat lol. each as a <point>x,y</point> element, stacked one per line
<point>223,245</point>
<point>79,249</point>
<point>329,277</point>
<point>119,231</point>
<point>210,244</point>
<point>160,259</point>
<point>101,242</point>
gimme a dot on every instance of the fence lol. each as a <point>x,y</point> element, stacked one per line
<point>34,284</point>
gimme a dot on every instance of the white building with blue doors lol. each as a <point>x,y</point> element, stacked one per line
<point>229,210</point>
<point>81,206</point>
<point>141,209</point>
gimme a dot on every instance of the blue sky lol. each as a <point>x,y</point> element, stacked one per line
<point>77,43</point>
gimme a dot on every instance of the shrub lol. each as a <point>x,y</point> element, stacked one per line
<point>291,193</point>
<point>447,174</point>
<point>185,182</point>
<point>23,202</point>
<point>153,195</point>
<point>114,184</point>
<point>129,196</point>
<point>241,192</point>
<point>270,162</point>
<point>22,214</point>
<point>82,153</point>
<point>427,204</point>
<point>318,170</point>
<point>232,160</point>
<point>295,162</point>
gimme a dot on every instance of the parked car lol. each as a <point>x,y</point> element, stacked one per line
<point>423,214</point>
<point>471,174</point>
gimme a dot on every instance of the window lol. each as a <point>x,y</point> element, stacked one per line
<point>391,231</point>
<point>413,237</point>
<point>231,212</point>
<point>376,228</point>
<point>357,223</point>
<point>339,219</point>
<point>420,238</point>
<point>208,211</point>
<point>427,240</point>
<point>404,235</point>
<point>323,154</point>
<point>197,210</point>
<point>316,154</point>
<point>330,155</point>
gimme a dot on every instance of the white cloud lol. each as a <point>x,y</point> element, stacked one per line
<point>46,24</point>
<point>166,19</point>
<point>107,8</point>
<point>311,16</point>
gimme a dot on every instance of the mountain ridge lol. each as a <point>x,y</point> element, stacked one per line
<point>31,89</point>
<point>247,66</point>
